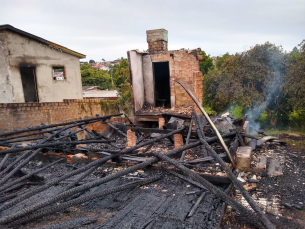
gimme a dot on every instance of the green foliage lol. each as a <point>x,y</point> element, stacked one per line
<point>236,110</point>
<point>297,115</point>
<point>124,100</point>
<point>108,107</point>
<point>209,110</point>
<point>295,78</point>
<point>256,80</point>
<point>120,73</point>
<point>221,60</point>
<point>206,63</point>
<point>91,61</point>
<point>93,77</point>
<point>103,79</point>
<point>263,117</point>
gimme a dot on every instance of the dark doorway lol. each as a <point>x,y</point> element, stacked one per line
<point>28,79</point>
<point>162,84</point>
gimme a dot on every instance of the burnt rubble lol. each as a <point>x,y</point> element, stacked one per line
<point>46,173</point>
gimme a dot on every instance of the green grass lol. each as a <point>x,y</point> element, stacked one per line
<point>293,132</point>
<point>285,130</point>
<point>295,144</point>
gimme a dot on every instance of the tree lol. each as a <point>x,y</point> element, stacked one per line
<point>206,63</point>
<point>120,72</point>
<point>93,77</point>
<point>295,80</point>
<point>221,59</point>
<point>91,61</point>
<point>252,80</point>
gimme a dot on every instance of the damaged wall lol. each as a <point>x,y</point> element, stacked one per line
<point>183,67</point>
<point>6,95</point>
<point>22,115</point>
<point>136,79</point>
<point>21,51</point>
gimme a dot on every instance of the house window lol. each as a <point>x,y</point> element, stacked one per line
<point>59,73</point>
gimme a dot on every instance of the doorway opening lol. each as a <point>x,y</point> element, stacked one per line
<point>162,84</point>
<point>28,78</point>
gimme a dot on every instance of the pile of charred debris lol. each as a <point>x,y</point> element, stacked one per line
<point>108,184</point>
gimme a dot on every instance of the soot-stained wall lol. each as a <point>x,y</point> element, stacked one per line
<point>183,67</point>
<point>20,51</point>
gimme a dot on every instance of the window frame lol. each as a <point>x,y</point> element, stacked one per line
<point>53,72</point>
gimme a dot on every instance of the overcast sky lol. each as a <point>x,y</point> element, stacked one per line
<point>108,29</point>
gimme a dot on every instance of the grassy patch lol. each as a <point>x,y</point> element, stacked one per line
<point>295,144</point>
<point>294,137</point>
<point>286,130</point>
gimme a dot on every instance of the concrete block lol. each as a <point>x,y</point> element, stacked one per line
<point>261,165</point>
<point>157,35</point>
<point>275,168</point>
<point>243,158</point>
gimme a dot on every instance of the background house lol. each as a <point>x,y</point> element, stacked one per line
<point>92,92</point>
<point>33,69</point>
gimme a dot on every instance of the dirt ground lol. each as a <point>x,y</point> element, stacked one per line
<point>282,198</point>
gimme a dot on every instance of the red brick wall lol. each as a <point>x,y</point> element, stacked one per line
<point>21,115</point>
<point>157,46</point>
<point>184,67</point>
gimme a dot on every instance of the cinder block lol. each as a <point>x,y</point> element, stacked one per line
<point>261,166</point>
<point>243,158</point>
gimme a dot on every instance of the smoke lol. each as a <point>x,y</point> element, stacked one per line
<point>272,91</point>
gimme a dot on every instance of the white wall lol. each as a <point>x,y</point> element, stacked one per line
<point>23,51</point>
<point>137,84</point>
<point>6,95</point>
<point>148,77</point>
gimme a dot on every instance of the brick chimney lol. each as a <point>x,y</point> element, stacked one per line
<point>157,40</point>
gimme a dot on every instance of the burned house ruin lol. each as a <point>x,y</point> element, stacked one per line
<point>153,75</point>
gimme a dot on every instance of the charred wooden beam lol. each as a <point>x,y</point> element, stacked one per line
<point>10,166</point>
<point>87,186</point>
<point>116,129</point>
<point>4,161</point>
<point>213,189</point>
<point>71,224</point>
<point>176,116</point>
<point>8,176</point>
<point>18,167</point>
<point>237,183</point>
<point>187,138</point>
<point>210,121</point>
<point>57,124</point>
<point>195,183</point>
<point>42,145</point>
<point>79,200</point>
<point>30,134</point>
<point>3,143</point>
<point>55,181</point>
<point>2,188</point>
<point>84,175</point>
<point>196,205</point>
<point>8,197</point>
